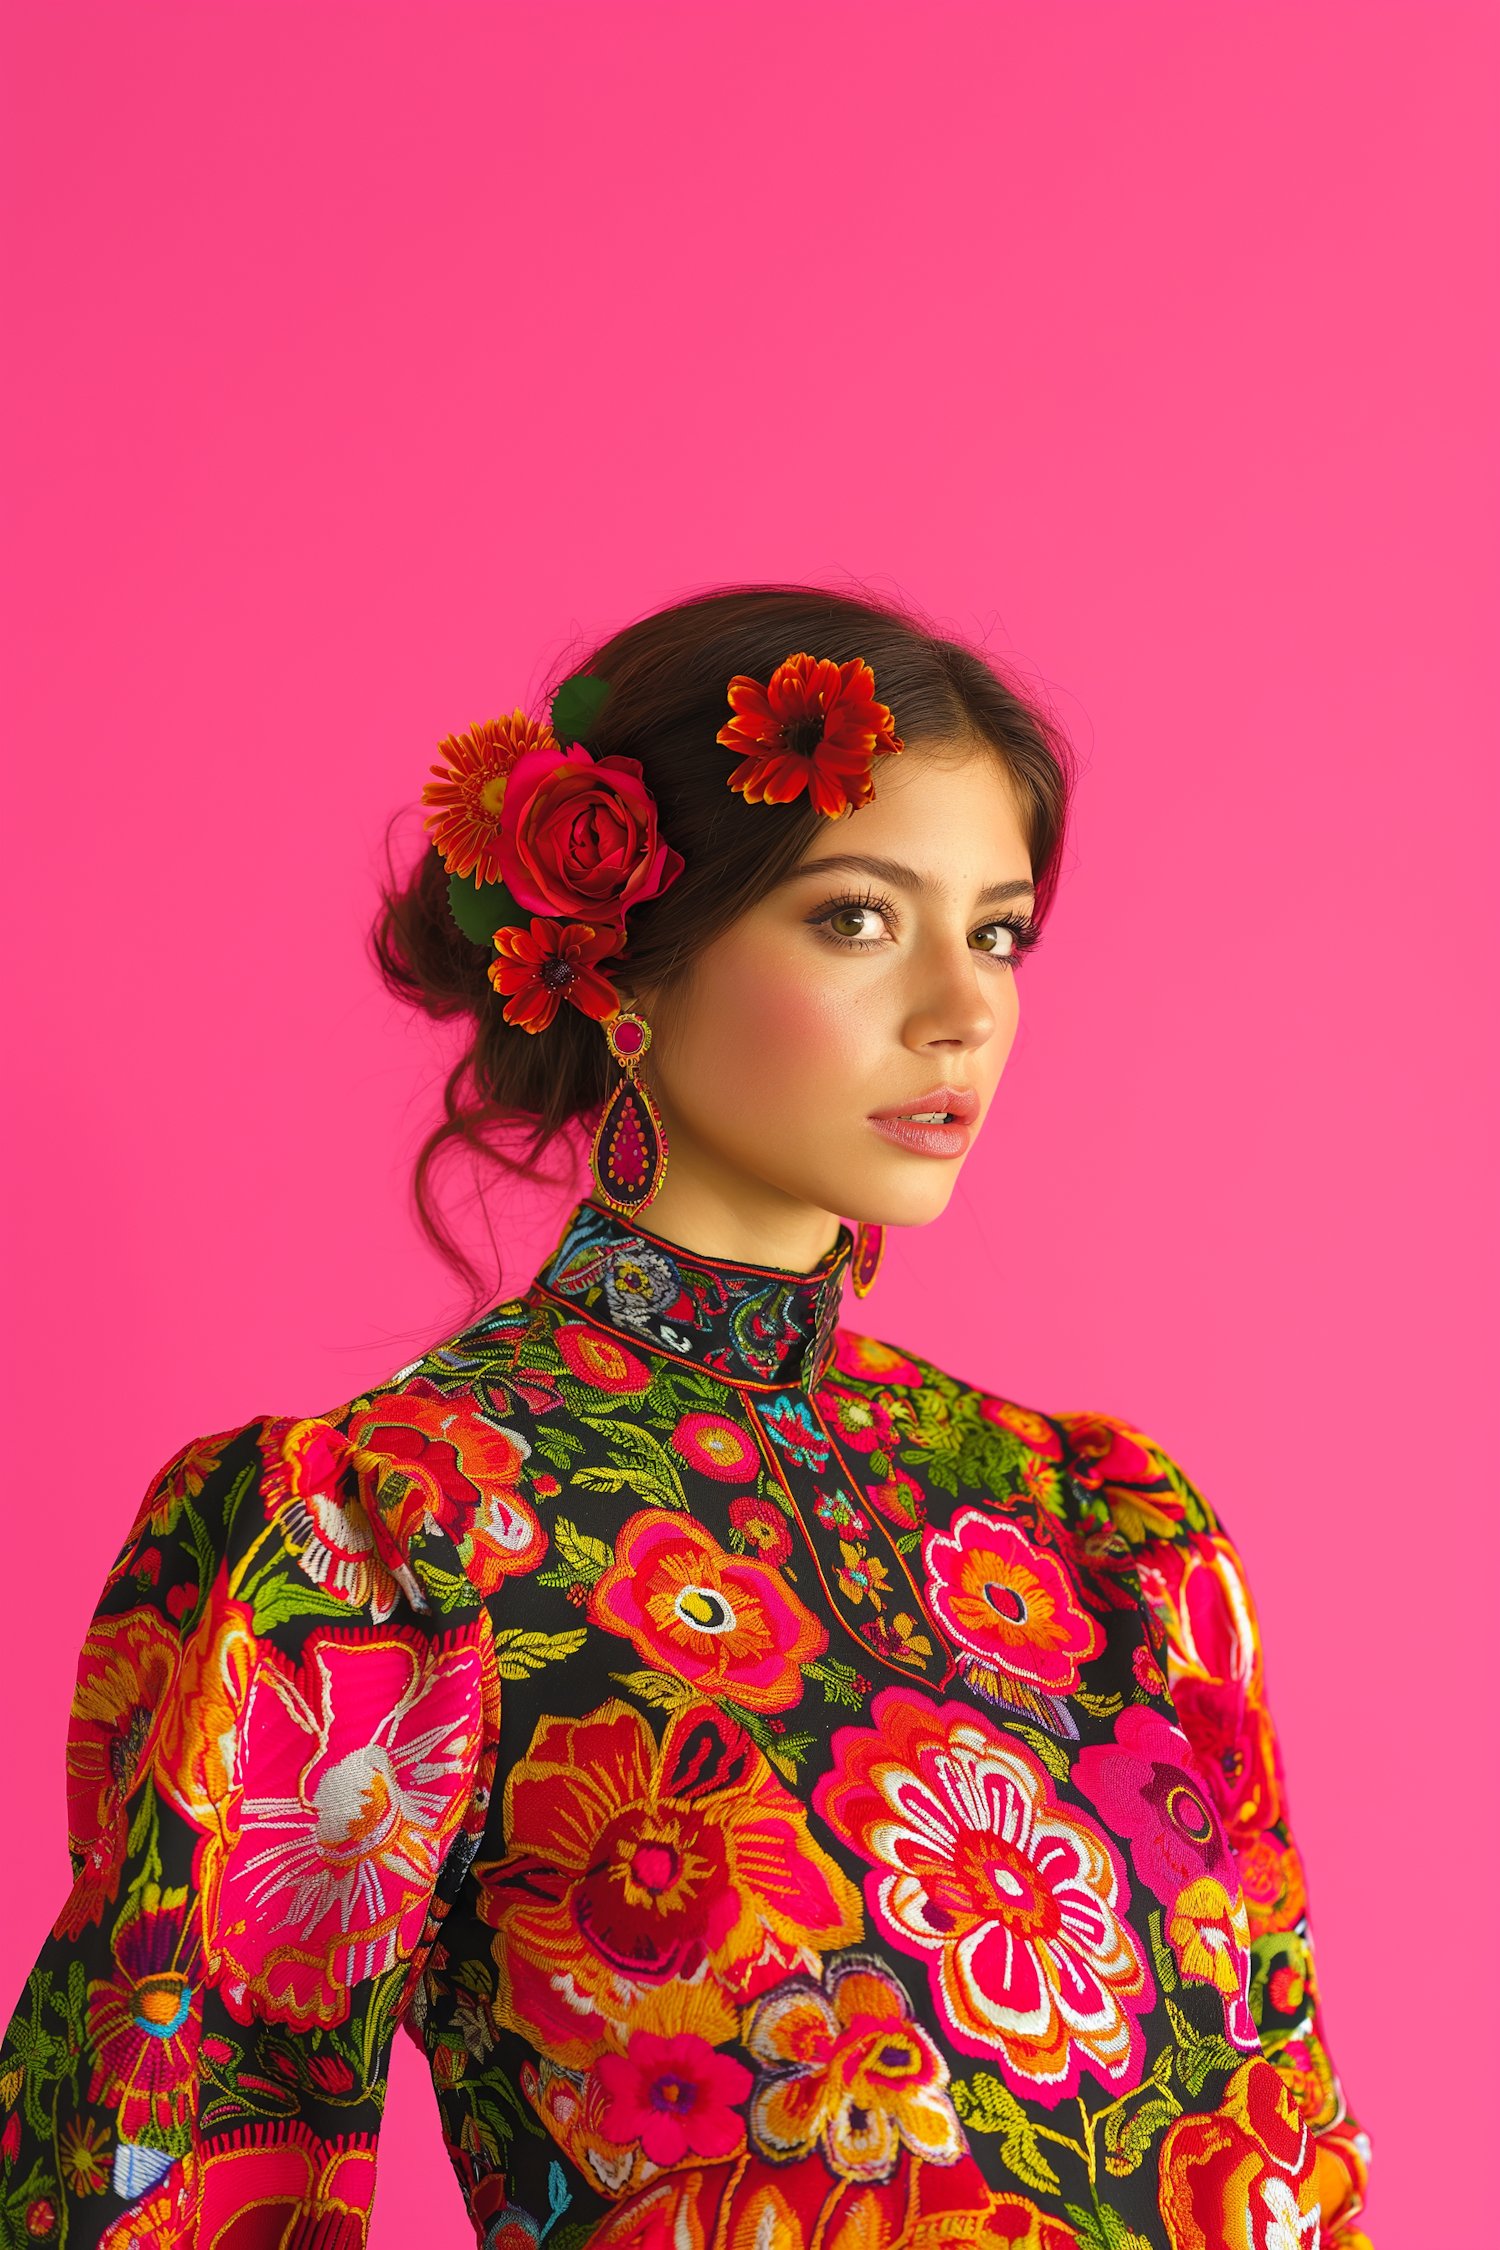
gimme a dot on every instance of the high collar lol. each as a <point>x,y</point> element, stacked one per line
<point>750,1324</point>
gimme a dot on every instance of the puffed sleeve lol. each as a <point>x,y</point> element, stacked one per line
<point>1194,1583</point>
<point>281,1745</point>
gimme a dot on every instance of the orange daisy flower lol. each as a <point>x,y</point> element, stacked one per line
<point>469,791</point>
<point>815,726</point>
<point>549,963</point>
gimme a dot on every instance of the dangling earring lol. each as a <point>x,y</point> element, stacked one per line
<point>869,1249</point>
<point>629,1155</point>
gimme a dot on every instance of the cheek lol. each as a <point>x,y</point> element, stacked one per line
<point>758,1035</point>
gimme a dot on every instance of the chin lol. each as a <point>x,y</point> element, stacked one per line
<point>902,1203</point>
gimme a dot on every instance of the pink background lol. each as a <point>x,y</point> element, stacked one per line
<point>362,356</point>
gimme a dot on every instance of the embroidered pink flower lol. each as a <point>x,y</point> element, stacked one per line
<point>860,1422</point>
<point>728,1624</point>
<point>1149,1788</point>
<point>1007,1601</point>
<point>144,2024</point>
<point>362,1760</point>
<point>1015,1902</point>
<point>677,2097</point>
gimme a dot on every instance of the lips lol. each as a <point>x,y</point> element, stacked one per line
<point>939,1123</point>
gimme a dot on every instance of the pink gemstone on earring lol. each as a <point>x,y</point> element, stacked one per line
<point>627,1038</point>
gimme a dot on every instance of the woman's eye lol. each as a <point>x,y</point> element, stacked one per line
<point>856,922</point>
<point>995,937</point>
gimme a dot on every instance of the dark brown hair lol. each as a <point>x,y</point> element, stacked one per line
<point>512,1095</point>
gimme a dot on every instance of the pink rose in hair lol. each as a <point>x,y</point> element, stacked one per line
<point>578,837</point>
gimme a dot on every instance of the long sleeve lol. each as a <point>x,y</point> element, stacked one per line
<point>1194,1581</point>
<point>284,1726</point>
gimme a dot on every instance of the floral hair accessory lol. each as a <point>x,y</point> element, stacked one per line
<point>814,726</point>
<point>547,849</point>
<point>578,836</point>
<point>469,791</point>
<point>541,967</point>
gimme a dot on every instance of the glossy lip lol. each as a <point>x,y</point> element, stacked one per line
<point>951,1138</point>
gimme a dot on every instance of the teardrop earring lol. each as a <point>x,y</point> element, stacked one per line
<point>629,1155</point>
<point>869,1249</point>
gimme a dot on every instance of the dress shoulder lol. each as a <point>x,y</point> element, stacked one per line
<point>1099,1472</point>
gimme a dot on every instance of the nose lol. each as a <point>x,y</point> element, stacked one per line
<point>957,1005</point>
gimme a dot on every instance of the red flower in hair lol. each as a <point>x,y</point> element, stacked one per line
<point>816,726</point>
<point>470,791</point>
<point>580,837</point>
<point>551,962</point>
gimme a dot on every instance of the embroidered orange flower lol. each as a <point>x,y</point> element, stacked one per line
<point>469,791</point>
<point>815,726</point>
<point>551,962</point>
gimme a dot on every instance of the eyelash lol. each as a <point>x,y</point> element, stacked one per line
<point>1023,936</point>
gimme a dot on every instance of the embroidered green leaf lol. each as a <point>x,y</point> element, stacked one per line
<point>582,1559</point>
<point>497,2084</point>
<point>1103,2229</point>
<point>1128,2133</point>
<point>787,1754</point>
<point>986,2106</point>
<point>663,1691</point>
<point>236,1494</point>
<point>276,1597</point>
<point>557,1446</point>
<point>784,1751</point>
<point>836,1680</point>
<point>1200,2053</point>
<point>447,1590</point>
<point>676,1390</point>
<point>1166,1967</point>
<point>573,2236</point>
<point>645,1468</point>
<point>517,1653</point>
<point>1099,1706</point>
<point>1052,1754</point>
<point>908,1542</point>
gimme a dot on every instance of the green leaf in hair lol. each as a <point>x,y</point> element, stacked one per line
<point>480,909</point>
<point>576,707</point>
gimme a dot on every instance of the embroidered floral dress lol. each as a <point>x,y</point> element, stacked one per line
<point>797,1801</point>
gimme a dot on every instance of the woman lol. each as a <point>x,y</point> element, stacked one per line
<point>796,1799</point>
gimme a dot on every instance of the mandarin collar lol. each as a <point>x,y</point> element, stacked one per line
<point>749,1324</point>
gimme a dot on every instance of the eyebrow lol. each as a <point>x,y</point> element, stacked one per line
<point>902,877</point>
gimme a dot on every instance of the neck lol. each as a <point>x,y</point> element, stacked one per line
<point>725,1215</point>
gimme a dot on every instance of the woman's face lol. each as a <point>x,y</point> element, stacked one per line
<point>836,1051</point>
